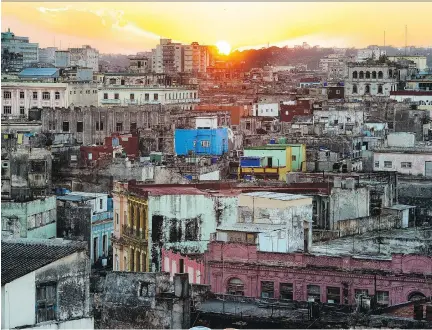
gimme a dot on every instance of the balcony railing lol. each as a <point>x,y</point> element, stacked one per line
<point>110,101</point>
<point>131,232</point>
<point>102,216</point>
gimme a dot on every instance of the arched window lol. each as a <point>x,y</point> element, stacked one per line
<point>235,287</point>
<point>380,74</point>
<point>57,95</point>
<point>112,81</point>
<point>354,75</point>
<point>354,89</point>
<point>416,296</point>
<point>373,74</point>
<point>361,75</point>
<point>367,89</point>
<point>390,73</point>
<point>380,89</point>
<point>368,75</point>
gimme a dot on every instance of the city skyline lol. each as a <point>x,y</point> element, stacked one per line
<point>132,27</point>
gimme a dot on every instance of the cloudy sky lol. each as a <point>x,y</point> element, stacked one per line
<point>129,27</point>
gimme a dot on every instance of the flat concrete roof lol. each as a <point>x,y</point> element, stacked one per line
<point>400,207</point>
<point>276,196</point>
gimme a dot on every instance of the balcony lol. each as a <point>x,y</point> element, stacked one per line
<point>132,236</point>
<point>110,101</point>
<point>102,216</point>
<point>131,101</point>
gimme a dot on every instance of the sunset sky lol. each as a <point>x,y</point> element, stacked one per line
<point>137,26</point>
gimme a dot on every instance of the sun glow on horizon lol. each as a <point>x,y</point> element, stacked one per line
<point>223,47</point>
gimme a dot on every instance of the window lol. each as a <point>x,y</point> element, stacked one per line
<point>333,295</point>
<point>143,289</point>
<point>99,126</point>
<point>377,164</point>
<point>388,164</point>
<point>361,75</point>
<point>7,95</point>
<point>267,289</point>
<point>406,164</point>
<point>337,91</point>
<point>46,298</point>
<point>105,96</point>
<point>354,75</point>
<point>380,89</point>
<point>368,75</point>
<point>57,95</point>
<point>116,96</point>
<point>132,96</point>
<point>104,245</point>
<point>382,298</point>
<point>112,81</point>
<point>125,217</point>
<point>380,74</point>
<point>122,82</point>
<point>286,291</point>
<point>367,89</point>
<point>22,95</point>
<point>65,126</point>
<point>360,292</point>
<point>46,95</point>
<point>235,287</point>
<point>374,75</point>
<point>314,293</point>
<point>133,127</point>
<point>293,158</point>
<point>156,97</point>
<point>205,144</point>
<point>117,218</point>
<point>100,203</point>
<point>119,127</point>
<point>146,97</point>
<point>80,126</point>
<point>125,265</point>
<point>335,122</point>
<point>354,89</point>
<point>248,126</point>
<point>35,95</point>
<point>7,109</point>
<point>195,95</point>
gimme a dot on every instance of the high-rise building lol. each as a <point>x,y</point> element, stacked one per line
<point>11,44</point>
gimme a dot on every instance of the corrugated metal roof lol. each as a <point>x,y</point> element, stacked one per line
<point>39,72</point>
<point>273,195</point>
<point>75,198</point>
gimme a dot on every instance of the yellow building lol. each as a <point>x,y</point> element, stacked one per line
<point>130,238</point>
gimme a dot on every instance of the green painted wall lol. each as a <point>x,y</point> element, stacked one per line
<point>30,214</point>
<point>279,156</point>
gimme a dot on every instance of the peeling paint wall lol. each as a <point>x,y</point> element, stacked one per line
<point>72,277</point>
<point>125,300</point>
<point>348,204</point>
<point>184,223</point>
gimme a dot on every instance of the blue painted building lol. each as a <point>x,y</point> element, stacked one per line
<point>204,142</point>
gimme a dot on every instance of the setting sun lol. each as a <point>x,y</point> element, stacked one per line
<point>223,47</point>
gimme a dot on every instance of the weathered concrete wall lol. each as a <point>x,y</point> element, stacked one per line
<point>367,224</point>
<point>74,222</point>
<point>184,223</point>
<point>348,204</point>
<point>419,194</point>
<point>401,140</point>
<point>140,301</point>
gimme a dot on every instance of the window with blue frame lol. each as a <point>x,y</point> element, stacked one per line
<point>46,301</point>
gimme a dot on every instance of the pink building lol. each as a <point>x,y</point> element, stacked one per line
<point>240,269</point>
<point>176,263</point>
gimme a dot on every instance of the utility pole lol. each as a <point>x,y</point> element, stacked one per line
<point>406,36</point>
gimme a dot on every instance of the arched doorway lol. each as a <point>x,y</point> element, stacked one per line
<point>235,287</point>
<point>413,296</point>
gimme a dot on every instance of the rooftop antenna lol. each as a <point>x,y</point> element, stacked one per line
<point>384,38</point>
<point>406,36</point>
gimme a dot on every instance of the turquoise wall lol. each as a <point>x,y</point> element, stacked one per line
<point>37,218</point>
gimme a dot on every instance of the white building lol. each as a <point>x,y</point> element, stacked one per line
<point>120,89</point>
<point>422,98</point>
<point>86,57</point>
<point>62,59</point>
<point>411,161</point>
<point>51,290</point>
<point>372,52</point>
<point>372,80</point>
<point>266,109</point>
<point>19,97</point>
<point>419,60</point>
<point>334,65</point>
<point>335,121</point>
<point>207,122</point>
<point>47,55</point>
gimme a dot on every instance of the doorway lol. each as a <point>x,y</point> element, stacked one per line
<point>270,161</point>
